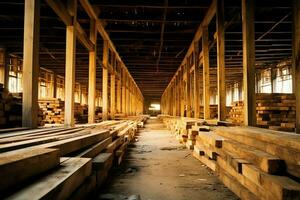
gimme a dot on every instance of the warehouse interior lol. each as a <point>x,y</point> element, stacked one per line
<point>158,99</point>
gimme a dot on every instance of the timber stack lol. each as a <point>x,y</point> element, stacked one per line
<point>76,161</point>
<point>254,163</point>
<point>236,114</point>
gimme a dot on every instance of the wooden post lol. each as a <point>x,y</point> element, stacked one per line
<point>112,95</point>
<point>2,65</point>
<point>249,63</point>
<point>119,94</point>
<point>196,80</point>
<point>221,61</point>
<point>188,89</point>
<point>31,63</point>
<point>70,66</point>
<point>105,81</point>
<point>127,95</point>
<point>92,73</point>
<point>123,92</point>
<point>182,94</point>
<point>296,59</point>
<point>54,94</point>
<point>206,78</point>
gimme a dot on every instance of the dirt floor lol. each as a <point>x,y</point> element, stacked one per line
<point>157,167</point>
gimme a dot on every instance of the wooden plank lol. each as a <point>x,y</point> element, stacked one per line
<point>38,141</point>
<point>74,144</point>
<point>31,63</point>
<point>266,162</point>
<point>105,81</point>
<point>86,189</point>
<point>95,149</point>
<point>92,73</point>
<point>248,63</point>
<point>206,79</point>
<point>206,161</point>
<point>221,61</point>
<point>102,162</point>
<point>58,184</point>
<point>17,166</point>
<point>281,187</point>
<point>70,71</point>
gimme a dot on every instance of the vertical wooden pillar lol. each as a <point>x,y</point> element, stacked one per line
<point>105,81</point>
<point>112,95</point>
<point>196,81</point>
<point>206,78</point>
<point>221,61</point>
<point>182,94</point>
<point>2,65</point>
<point>249,63</point>
<point>127,95</point>
<point>92,73</point>
<point>296,59</point>
<point>70,66</point>
<point>31,63</point>
<point>119,94</point>
<point>188,90</point>
<point>123,92</point>
<point>54,94</point>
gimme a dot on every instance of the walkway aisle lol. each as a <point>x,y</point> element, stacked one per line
<point>157,167</point>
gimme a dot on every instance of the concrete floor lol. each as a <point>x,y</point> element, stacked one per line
<point>157,167</point>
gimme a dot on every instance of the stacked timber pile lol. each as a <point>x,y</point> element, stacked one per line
<point>53,110</point>
<point>276,111</point>
<point>61,163</point>
<point>254,163</point>
<point>236,114</point>
<point>11,110</point>
<point>273,111</point>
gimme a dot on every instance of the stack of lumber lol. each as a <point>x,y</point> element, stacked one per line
<point>53,110</point>
<point>61,163</point>
<point>254,163</point>
<point>236,113</point>
<point>276,111</point>
<point>11,110</point>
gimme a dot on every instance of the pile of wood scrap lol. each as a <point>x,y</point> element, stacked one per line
<point>60,162</point>
<point>276,111</point>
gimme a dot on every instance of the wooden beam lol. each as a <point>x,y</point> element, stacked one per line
<point>119,95</point>
<point>123,92</point>
<point>296,59</point>
<point>248,63</point>
<point>206,79</point>
<point>31,63</point>
<point>105,81</point>
<point>92,73</point>
<point>83,38</point>
<point>59,8</point>
<point>221,61</point>
<point>70,68</point>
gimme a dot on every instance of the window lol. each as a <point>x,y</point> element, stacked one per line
<point>15,76</point>
<point>283,81</point>
<point>265,85</point>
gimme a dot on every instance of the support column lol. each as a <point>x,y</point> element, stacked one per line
<point>31,63</point>
<point>127,95</point>
<point>123,92</point>
<point>249,63</point>
<point>54,94</point>
<point>2,66</point>
<point>92,74</point>
<point>188,90</point>
<point>70,66</point>
<point>196,81</point>
<point>206,78</point>
<point>182,94</point>
<point>119,94</point>
<point>296,59</point>
<point>105,81</point>
<point>221,61</point>
<point>112,95</point>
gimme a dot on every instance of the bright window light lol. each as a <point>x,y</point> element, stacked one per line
<point>154,106</point>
